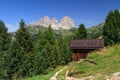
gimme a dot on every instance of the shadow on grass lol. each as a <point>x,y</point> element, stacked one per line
<point>91,62</point>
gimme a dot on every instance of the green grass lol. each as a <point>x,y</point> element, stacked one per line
<point>107,62</point>
<point>61,75</point>
<point>47,76</point>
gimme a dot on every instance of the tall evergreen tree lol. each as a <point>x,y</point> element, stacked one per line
<point>4,37</point>
<point>58,53</point>
<point>117,16</point>
<point>67,54</point>
<point>24,38</point>
<point>61,50</point>
<point>81,32</point>
<point>50,42</point>
<point>11,61</point>
<point>40,42</point>
<point>41,62</point>
<point>46,41</point>
<point>49,35</point>
<point>26,42</point>
<point>111,28</point>
<point>64,53</point>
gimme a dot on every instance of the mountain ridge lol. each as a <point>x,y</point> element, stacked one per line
<point>65,23</point>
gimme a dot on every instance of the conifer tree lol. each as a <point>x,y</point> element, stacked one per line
<point>24,38</point>
<point>57,52</point>
<point>67,54</point>
<point>81,32</point>
<point>111,28</point>
<point>4,37</point>
<point>50,38</point>
<point>11,61</point>
<point>26,42</point>
<point>117,16</point>
<point>49,35</point>
<point>46,41</point>
<point>41,62</point>
<point>64,54</point>
<point>61,54</point>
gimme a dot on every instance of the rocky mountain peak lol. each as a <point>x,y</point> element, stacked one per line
<point>65,23</point>
<point>54,20</point>
<point>45,19</point>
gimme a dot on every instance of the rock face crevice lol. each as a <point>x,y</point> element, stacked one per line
<point>65,23</point>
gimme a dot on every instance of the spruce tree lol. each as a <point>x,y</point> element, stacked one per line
<point>24,39</point>
<point>67,54</point>
<point>50,42</point>
<point>49,35</point>
<point>41,62</point>
<point>39,45</point>
<point>4,37</point>
<point>75,35</point>
<point>11,61</point>
<point>64,54</point>
<point>81,32</point>
<point>46,41</point>
<point>61,49</point>
<point>26,42</point>
<point>111,28</point>
<point>57,52</point>
<point>117,16</point>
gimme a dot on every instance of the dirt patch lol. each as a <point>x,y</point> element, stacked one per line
<point>114,76</point>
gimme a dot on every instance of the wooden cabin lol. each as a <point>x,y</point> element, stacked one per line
<point>81,48</point>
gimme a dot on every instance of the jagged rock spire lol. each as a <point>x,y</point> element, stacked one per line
<point>65,23</point>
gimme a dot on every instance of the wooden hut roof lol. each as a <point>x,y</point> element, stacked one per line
<point>87,44</point>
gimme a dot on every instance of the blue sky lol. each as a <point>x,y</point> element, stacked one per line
<point>89,12</point>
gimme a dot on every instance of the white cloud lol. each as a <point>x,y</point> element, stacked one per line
<point>12,27</point>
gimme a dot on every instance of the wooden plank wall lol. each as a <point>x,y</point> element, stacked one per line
<point>78,56</point>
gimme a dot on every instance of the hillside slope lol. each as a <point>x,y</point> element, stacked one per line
<point>102,63</point>
<point>95,31</point>
<point>99,65</point>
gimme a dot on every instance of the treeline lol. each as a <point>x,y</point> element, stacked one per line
<point>23,56</point>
